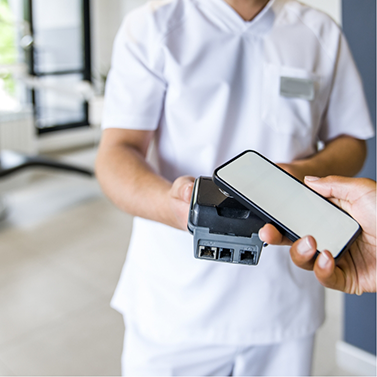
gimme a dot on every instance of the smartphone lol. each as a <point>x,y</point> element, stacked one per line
<point>282,200</point>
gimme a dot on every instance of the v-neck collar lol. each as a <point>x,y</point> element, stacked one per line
<point>260,24</point>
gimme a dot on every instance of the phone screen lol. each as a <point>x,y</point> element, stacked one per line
<point>289,202</point>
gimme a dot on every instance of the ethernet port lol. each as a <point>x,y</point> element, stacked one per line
<point>248,257</point>
<point>207,252</point>
<point>225,255</point>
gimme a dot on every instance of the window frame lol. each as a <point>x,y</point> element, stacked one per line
<point>85,71</point>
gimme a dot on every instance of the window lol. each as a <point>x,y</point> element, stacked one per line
<point>8,55</point>
<point>60,58</point>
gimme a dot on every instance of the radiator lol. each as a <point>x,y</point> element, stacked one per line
<point>17,133</point>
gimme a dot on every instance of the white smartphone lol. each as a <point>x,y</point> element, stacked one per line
<point>280,199</point>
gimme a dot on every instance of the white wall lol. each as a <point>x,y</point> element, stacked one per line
<point>106,18</point>
<point>128,5</point>
<point>331,7</point>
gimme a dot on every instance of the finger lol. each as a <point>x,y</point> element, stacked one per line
<point>343,188</point>
<point>327,274</point>
<point>303,251</point>
<point>182,188</point>
<point>272,236</point>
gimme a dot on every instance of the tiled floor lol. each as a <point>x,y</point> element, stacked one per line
<point>61,251</point>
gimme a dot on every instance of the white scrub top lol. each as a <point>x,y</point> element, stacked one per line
<point>209,82</point>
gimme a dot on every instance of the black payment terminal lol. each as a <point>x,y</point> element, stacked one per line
<point>223,229</point>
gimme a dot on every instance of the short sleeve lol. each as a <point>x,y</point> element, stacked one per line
<point>135,87</point>
<point>347,112</point>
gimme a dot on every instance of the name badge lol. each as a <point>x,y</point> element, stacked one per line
<point>297,88</point>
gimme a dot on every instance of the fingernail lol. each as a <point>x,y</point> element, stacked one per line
<point>187,193</point>
<point>304,246</point>
<point>323,260</point>
<point>310,178</point>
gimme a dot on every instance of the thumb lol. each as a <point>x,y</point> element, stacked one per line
<point>182,188</point>
<point>342,188</point>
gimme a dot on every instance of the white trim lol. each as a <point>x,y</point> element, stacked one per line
<point>75,137</point>
<point>67,139</point>
<point>355,360</point>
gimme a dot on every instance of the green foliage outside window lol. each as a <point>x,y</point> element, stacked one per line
<point>8,51</point>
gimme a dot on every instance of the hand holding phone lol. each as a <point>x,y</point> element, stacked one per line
<point>355,272</point>
<point>282,200</point>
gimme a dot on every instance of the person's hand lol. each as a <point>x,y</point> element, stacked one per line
<point>179,197</point>
<point>355,272</point>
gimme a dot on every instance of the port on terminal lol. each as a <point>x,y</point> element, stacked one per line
<point>248,257</point>
<point>225,255</point>
<point>207,252</point>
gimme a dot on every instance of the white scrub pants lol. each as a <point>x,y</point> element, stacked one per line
<point>143,357</point>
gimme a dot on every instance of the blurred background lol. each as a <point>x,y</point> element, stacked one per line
<point>62,244</point>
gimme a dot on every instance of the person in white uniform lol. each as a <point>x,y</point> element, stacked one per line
<point>205,80</point>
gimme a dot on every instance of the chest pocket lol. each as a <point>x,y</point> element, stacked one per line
<point>289,100</point>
